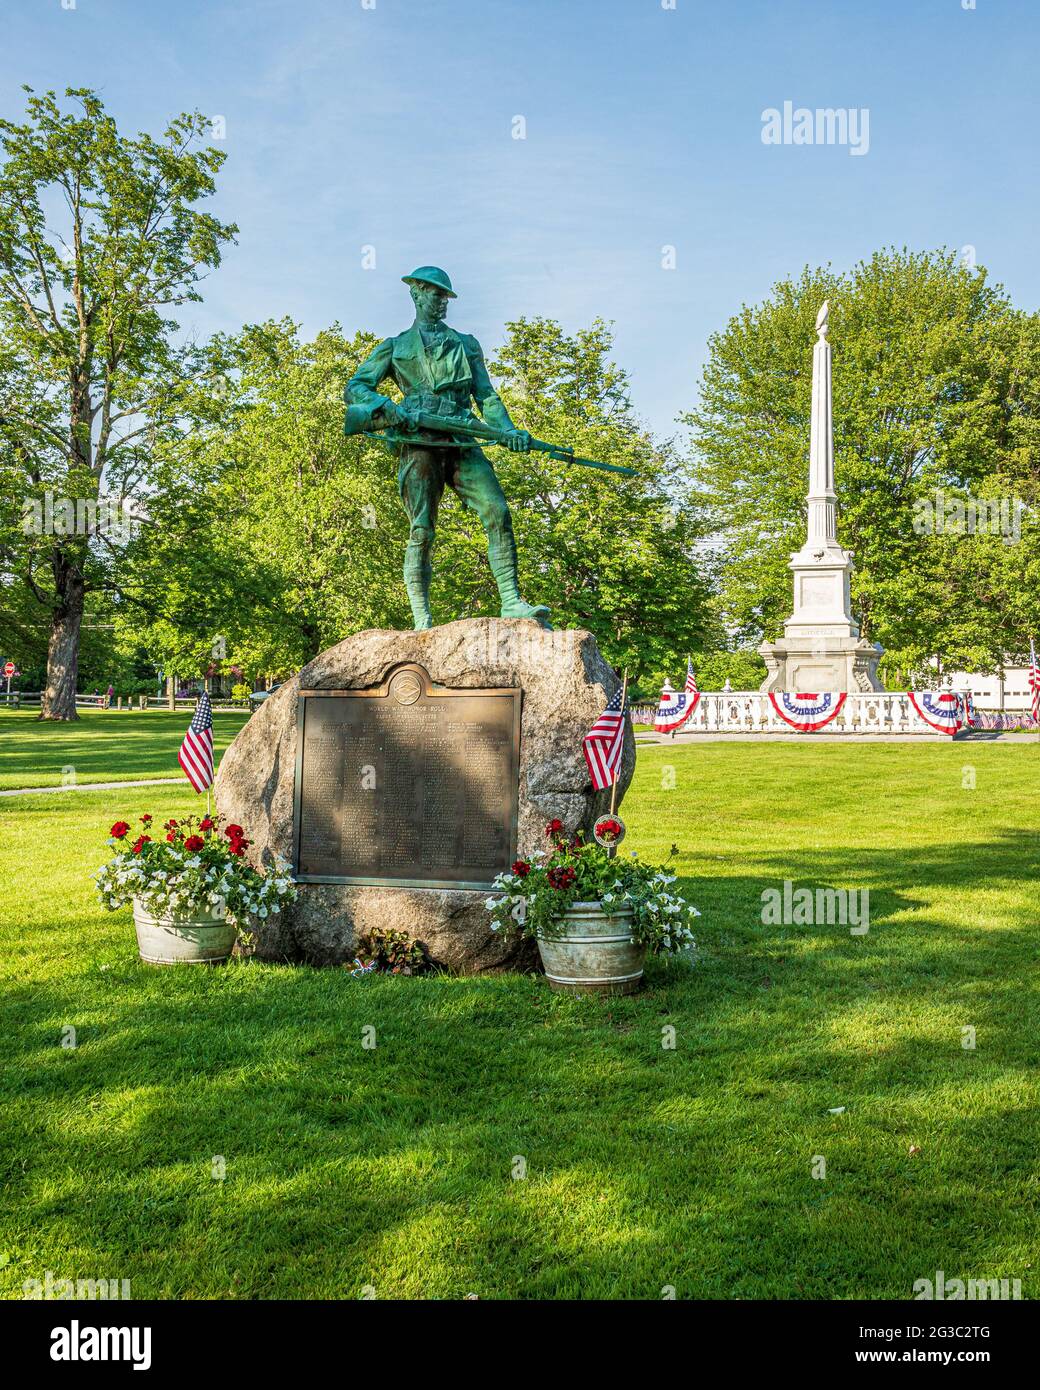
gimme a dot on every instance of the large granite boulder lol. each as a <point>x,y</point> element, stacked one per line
<point>565,684</point>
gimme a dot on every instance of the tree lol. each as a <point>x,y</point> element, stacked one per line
<point>320,514</point>
<point>99,240</point>
<point>934,392</point>
<point>277,536</point>
<point>301,532</point>
<point>615,555</point>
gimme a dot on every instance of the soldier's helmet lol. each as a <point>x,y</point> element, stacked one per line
<point>431,275</point>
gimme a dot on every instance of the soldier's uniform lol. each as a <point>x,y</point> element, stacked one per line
<point>442,377</point>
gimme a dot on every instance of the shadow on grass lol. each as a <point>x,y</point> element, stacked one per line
<point>645,1165</point>
<point>101,746</point>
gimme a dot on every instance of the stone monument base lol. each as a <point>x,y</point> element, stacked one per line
<point>821,664</point>
<point>565,684</point>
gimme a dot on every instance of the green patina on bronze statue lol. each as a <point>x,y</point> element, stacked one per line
<point>433,432</point>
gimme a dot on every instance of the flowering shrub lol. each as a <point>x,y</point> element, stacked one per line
<point>536,892</point>
<point>195,867</point>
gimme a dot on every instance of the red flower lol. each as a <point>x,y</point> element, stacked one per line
<point>142,840</point>
<point>561,878</point>
<point>146,819</point>
<point>119,830</point>
<point>521,868</point>
<point>194,842</point>
<point>171,837</point>
<point>207,824</point>
<point>170,825</point>
<point>234,832</point>
<point>554,827</point>
<point>238,847</point>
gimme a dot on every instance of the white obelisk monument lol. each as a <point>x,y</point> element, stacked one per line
<point>821,648</point>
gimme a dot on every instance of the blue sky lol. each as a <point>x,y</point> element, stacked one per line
<point>389,123</point>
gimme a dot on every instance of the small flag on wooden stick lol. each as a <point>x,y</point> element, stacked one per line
<point>603,743</point>
<point>1034,679</point>
<point>676,708</point>
<point>196,755</point>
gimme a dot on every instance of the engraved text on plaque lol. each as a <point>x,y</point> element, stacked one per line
<point>408,784</point>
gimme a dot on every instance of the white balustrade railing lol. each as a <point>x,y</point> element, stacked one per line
<point>750,712</point>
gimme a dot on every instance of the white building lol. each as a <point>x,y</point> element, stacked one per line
<point>1008,690</point>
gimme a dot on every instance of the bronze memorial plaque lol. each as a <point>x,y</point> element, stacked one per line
<point>410,784</point>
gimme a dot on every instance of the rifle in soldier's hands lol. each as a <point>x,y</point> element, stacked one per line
<point>411,422</point>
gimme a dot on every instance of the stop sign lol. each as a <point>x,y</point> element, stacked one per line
<point>9,668</point>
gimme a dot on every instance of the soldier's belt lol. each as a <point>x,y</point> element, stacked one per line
<point>436,403</point>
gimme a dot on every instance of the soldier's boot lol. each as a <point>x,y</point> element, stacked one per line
<point>502,559</point>
<point>418,570</point>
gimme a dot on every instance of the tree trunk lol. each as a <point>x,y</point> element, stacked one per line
<point>59,699</point>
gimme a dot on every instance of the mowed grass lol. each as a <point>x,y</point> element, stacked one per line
<point>101,746</point>
<point>396,1168</point>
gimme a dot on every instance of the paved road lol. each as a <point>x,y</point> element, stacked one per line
<point>96,786</point>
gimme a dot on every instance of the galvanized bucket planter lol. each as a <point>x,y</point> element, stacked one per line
<point>196,938</point>
<point>594,952</point>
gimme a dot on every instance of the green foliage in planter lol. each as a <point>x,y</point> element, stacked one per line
<point>536,893</point>
<point>195,867</point>
<point>395,953</point>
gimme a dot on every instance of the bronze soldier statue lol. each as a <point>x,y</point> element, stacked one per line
<point>439,373</point>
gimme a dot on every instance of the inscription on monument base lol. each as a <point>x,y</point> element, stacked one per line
<point>410,784</point>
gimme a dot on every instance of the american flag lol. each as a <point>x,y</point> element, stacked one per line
<point>1034,679</point>
<point>675,709</point>
<point>196,755</point>
<point>603,743</point>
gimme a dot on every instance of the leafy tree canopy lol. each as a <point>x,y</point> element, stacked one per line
<point>935,391</point>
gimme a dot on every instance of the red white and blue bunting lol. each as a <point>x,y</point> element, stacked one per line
<point>806,713</point>
<point>675,708</point>
<point>942,710</point>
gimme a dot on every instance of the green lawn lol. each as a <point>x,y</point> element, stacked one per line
<point>101,746</point>
<point>645,1167</point>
